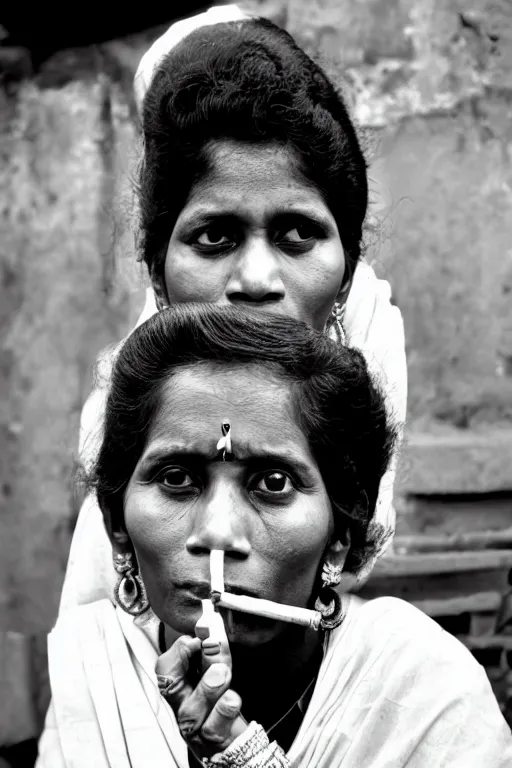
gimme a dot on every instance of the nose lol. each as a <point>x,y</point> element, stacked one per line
<point>219,523</point>
<point>256,277</point>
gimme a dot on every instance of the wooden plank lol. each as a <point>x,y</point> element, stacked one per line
<point>456,461</point>
<point>481,601</point>
<point>481,643</point>
<point>428,586</point>
<point>442,562</point>
<point>482,624</point>
<point>451,515</point>
<point>458,542</point>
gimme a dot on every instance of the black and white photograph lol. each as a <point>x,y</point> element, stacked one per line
<point>256,384</point>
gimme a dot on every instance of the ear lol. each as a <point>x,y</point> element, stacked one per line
<point>159,288</point>
<point>116,531</point>
<point>121,542</point>
<point>336,553</point>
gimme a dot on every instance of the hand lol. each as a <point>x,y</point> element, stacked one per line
<point>208,715</point>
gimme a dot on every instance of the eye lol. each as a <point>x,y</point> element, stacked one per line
<point>176,478</point>
<point>274,483</point>
<point>300,234</point>
<point>214,238</point>
<point>301,237</point>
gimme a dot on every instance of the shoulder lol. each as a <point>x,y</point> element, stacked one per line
<point>406,643</point>
<point>410,676</point>
<point>77,616</point>
<point>391,613</point>
<point>390,669</point>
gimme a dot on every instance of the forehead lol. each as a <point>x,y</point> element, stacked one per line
<point>196,400</point>
<point>239,171</point>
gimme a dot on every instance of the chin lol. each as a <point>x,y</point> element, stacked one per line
<point>181,618</point>
<point>250,631</point>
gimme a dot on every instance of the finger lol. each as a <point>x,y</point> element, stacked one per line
<point>215,652</point>
<point>197,706</point>
<point>215,644</point>
<point>174,664</point>
<point>219,725</point>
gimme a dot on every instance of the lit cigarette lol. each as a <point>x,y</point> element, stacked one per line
<point>268,609</point>
<point>254,605</point>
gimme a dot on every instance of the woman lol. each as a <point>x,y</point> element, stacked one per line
<point>253,192</point>
<point>379,685</point>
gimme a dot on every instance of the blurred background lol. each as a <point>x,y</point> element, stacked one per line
<point>430,83</point>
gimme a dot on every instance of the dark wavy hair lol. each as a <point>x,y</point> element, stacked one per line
<point>246,81</point>
<point>337,404</point>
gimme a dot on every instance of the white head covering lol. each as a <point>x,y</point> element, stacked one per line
<point>174,35</point>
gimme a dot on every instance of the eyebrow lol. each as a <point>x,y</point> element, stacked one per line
<point>248,456</point>
<point>204,214</point>
<point>167,453</point>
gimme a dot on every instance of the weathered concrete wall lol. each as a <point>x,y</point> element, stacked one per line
<point>431,85</point>
<point>62,298</point>
<point>450,260</point>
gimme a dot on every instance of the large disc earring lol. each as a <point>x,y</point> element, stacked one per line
<point>328,602</point>
<point>129,591</point>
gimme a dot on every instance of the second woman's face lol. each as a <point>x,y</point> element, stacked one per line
<point>267,509</point>
<point>254,232</point>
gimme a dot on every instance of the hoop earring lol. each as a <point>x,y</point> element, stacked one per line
<point>337,314</point>
<point>328,602</point>
<point>129,591</point>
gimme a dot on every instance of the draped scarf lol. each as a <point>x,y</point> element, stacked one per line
<point>393,691</point>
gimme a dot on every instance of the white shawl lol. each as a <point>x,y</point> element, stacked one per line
<point>394,690</point>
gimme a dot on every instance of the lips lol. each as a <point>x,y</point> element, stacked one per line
<point>202,589</point>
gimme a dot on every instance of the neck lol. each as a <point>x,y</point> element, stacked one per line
<point>271,677</point>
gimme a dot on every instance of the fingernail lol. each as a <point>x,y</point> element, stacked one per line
<point>186,729</point>
<point>216,675</point>
<point>210,647</point>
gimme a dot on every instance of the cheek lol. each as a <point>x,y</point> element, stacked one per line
<point>299,543</point>
<point>191,278</point>
<point>156,536</point>
<point>332,263</point>
<point>141,527</point>
<point>324,281</point>
<point>159,533</point>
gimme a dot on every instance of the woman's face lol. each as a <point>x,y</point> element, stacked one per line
<point>254,232</point>
<point>267,508</point>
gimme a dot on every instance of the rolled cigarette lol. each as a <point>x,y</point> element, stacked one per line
<point>217,570</point>
<point>210,626</point>
<point>269,609</point>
